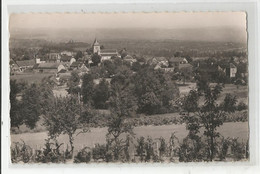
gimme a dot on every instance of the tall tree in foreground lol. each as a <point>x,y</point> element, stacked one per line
<point>31,107</point>
<point>15,111</point>
<point>208,116</point>
<point>122,105</point>
<point>64,118</point>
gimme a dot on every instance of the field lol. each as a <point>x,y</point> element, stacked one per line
<point>97,135</point>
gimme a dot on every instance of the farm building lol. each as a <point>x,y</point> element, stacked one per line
<point>230,69</point>
<point>107,54</point>
<point>79,66</point>
<point>25,64</point>
<point>158,60</point>
<point>64,58</point>
<point>176,61</point>
<point>50,68</point>
<point>54,57</point>
<point>68,53</point>
<point>186,66</point>
<point>129,59</point>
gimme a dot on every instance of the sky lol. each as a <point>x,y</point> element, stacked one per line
<point>129,20</point>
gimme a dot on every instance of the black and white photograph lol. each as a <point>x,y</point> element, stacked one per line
<point>166,87</point>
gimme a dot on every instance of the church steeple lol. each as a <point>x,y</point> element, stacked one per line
<point>96,47</point>
<point>95,42</point>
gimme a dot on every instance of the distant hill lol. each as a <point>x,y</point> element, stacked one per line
<point>223,34</point>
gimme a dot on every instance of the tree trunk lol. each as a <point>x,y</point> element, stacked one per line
<point>71,145</point>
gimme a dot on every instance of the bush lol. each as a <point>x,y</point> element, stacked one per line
<point>238,150</point>
<point>192,149</point>
<point>21,153</point>
<point>223,150</point>
<point>241,106</point>
<point>83,156</point>
<point>50,153</point>
<point>140,148</point>
<point>162,148</point>
<point>149,149</point>
<point>99,152</point>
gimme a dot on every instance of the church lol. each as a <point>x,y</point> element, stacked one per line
<point>105,54</point>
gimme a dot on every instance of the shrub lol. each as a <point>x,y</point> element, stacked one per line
<point>21,153</point>
<point>241,106</point>
<point>238,150</point>
<point>163,147</point>
<point>50,153</point>
<point>140,148</point>
<point>192,149</point>
<point>223,151</point>
<point>149,149</point>
<point>83,156</point>
<point>99,152</point>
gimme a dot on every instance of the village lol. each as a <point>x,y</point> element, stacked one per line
<point>61,64</point>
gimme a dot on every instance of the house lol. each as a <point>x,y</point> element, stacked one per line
<point>105,54</point>
<point>25,64</point>
<point>49,68</point>
<point>14,67</point>
<point>176,61</point>
<point>77,65</point>
<point>160,61</point>
<point>129,59</point>
<point>230,69</point>
<point>54,57</point>
<point>186,66</point>
<point>65,58</point>
<point>72,60</point>
<point>68,53</point>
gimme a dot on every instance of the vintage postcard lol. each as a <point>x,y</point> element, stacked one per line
<point>129,87</point>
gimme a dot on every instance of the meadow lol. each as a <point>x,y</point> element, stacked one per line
<point>98,135</point>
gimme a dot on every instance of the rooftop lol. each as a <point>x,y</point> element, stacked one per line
<point>48,66</point>
<point>26,62</point>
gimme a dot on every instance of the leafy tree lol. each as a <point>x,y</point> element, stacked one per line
<point>110,67</point>
<point>73,83</point>
<point>122,104</point>
<point>46,95</point>
<point>79,55</point>
<point>31,109</point>
<point>123,53</point>
<point>136,66</point>
<point>87,89</point>
<point>101,95</point>
<point>64,118</point>
<point>96,59</point>
<point>155,90</point>
<point>186,74</point>
<point>15,111</point>
<point>208,116</point>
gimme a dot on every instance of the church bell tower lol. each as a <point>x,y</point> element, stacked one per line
<point>96,47</point>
